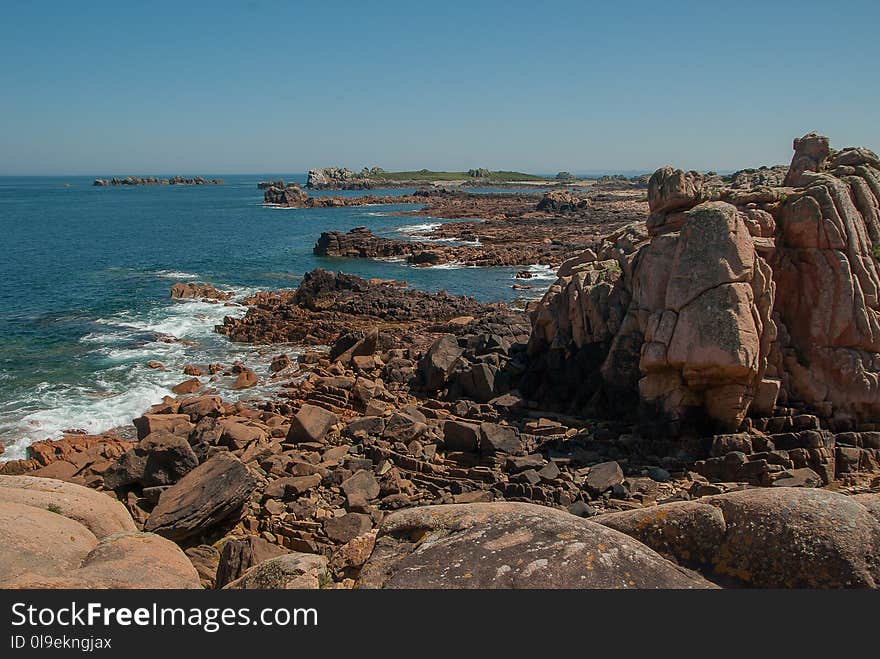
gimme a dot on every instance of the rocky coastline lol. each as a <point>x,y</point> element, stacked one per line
<point>691,404</point>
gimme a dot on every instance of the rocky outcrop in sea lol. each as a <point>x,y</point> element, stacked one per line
<point>152,180</point>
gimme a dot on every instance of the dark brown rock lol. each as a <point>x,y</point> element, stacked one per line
<point>211,494</point>
<point>311,423</point>
<point>241,554</point>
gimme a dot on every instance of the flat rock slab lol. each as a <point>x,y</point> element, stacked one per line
<point>209,494</point>
<point>512,545</point>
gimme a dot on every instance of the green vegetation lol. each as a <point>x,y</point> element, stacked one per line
<point>54,508</point>
<point>426,175</point>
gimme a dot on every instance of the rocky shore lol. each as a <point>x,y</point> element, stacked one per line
<point>509,229</point>
<point>152,180</point>
<point>692,404</point>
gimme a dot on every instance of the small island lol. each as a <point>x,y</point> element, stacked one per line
<point>153,180</point>
<point>341,178</point>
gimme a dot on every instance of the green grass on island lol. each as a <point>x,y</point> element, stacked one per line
<point>427,175</point>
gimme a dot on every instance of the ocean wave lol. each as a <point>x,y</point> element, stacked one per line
<point>175,274</point>
<point>425,227</point>
<point>125,387</point>
<point>450,265</point>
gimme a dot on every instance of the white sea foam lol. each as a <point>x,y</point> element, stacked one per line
<point>176,274</point>
<point>455,241</point>
<point>419,228</point>
<point>542,272</point>
<point>451,265</point>
<point>175,334</point>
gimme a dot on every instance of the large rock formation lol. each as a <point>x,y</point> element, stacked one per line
<point>61,535</point>
<point>736,300</point>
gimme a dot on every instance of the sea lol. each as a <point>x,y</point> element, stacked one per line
<point>85,283</point>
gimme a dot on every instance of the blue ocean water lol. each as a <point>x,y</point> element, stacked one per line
<point>85,278</point>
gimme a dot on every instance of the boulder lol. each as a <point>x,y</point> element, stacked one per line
<point>205,559</point>
<point>495,438</point>
<point>198,407</point>
<point>210,494</point>
<point>347,527</point>
<point>191,291</point>
<point>60,535</point>
<point>439,361</point>
<point>176,424</point>
<point>765,537</point>
<point>461,436</point>
<point>160,458</point>
<point>245,379</point>
<point>602,477</point>
<point>187,387</point>
<point>237,435</point>
<point>40,541</point>
<point>362,485</point>
<point>672,189</point>
<point>512,545</point>
<point>137,560</point>
<point>689,532</point>
<point>797,538</point>
<point>311,423</point>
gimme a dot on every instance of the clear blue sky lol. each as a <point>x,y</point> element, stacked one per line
<point>268,86</point>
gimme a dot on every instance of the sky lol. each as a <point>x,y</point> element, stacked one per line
<point>116,88</point>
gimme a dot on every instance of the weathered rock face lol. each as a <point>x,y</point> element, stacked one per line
<point>738,298</point>
<point>60,535</point>
<point>770,538</point>
<point>512,545</point>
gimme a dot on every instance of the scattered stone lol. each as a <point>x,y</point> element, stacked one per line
<point>347,527</point>
<point>602,477</point>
